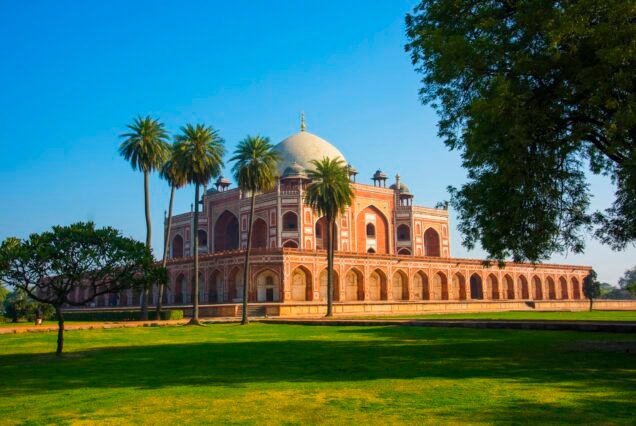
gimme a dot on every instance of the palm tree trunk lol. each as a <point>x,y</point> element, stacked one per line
<point>330,266</point>
<point>166,244</point>
<point>245,319</point>
<point>195,282</point>
<point>145,291</point>
<point>60,331</point>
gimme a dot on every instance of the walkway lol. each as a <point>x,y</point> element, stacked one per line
<point>598,326</point>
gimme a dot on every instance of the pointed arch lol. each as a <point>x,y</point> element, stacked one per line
<point>177,247</point>
<point>259,234</point>
<point>493,286</point>
<point>476,287</point>
<point>431,243</point>
<point>552,293</point>
<point>290,244</point>
<point>290,221</point>
<point>508,287</point>
<point>235,285</point>
<point>459,286</point>
<point>564,288</point>
<point>421,289</point>
<point>403,233</point>
<point>379,241</point>
<point>215,287</point>
<point>226,232</point>
<point>180,286</point>
<point>322,229</point>
<point>524,287</point>
<point>267,286</point>
<point>576,289</point>
<point>377,285</point>
<point>301,284</point>
<point>354,285</point>
<point>322,278</point>
<point>404,252</point>
<point>400,286</point>
<point>537,290</point>
<point>440,286</point>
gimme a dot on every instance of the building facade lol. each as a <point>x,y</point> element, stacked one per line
<point>388,250</point>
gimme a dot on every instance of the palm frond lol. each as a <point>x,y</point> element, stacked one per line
<point>255,164</point>
<point>330,191</point>
<point>146,146</point>
<point>198,153</point>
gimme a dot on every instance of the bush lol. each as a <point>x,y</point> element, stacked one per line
<point>120,315</point>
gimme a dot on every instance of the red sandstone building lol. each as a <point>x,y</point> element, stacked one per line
<point>392,256</point>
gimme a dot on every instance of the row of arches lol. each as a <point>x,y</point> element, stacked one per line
<point>355,286</point>
<point>227,235</point>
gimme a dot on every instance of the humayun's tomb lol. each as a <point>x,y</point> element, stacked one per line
<point>392,256</point>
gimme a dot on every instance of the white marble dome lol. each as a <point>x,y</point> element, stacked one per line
<point>302,148</point>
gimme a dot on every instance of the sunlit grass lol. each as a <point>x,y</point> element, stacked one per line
<point>532,315</point>
<point>275,374</point>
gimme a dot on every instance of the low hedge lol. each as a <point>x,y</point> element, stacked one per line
<point>120,315</point>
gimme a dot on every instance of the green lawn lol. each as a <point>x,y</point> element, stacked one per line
<point>530,315</point>
<point>273,374</point>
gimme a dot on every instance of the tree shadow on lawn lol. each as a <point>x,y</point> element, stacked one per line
<point>545,358</point>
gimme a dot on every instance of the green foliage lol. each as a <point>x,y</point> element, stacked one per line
<point>255,164</point>
<point>128,315</point>
<point>330,191</point>
<point>530,91</point>
<point>18,306</point>
<point>198,152</point>
<point>628,278</point>
<point>145,146</point>
<point>171,170</point>
<point>591,286</point>
<point>71,265</point>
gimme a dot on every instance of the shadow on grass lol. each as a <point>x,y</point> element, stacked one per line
<point>371,353</point>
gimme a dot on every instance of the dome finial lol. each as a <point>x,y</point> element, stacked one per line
<point>302,121</point>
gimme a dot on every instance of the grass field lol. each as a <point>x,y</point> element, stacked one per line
<point>532,315</point>
<point>274,374</point>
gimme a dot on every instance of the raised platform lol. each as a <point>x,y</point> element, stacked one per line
<point>315,310</point>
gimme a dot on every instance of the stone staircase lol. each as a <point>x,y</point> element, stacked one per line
<point>252,311</point>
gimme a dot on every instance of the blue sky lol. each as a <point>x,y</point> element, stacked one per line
<point>73,74</point>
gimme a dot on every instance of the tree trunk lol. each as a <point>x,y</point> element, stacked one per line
<point>195,282</point>
<point>330,227</point>
<point>245,320</point>
<point>60,331</point>
<point>166,244</point>
<point>591,302</point>
<point>145,291</point>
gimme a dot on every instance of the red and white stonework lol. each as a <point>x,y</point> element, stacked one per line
<point>391,256</point>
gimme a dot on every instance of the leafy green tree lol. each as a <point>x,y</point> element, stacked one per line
<point>4,292</point>
<point>629,277</point>
<point>591,287</point>
<point>17,305</point>
<point>329,193</point>
<point>146,147</point>
<point>176,178</point>
<point>199,154</point>
<point>254,169</point>
<point>72,265</point>
<point>529,92</point>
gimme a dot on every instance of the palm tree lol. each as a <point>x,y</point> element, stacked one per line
<point>254,169</point>
<point>199,154</point>
<point>146,147</point>
<point>329,193</point>
<point>176,179</point>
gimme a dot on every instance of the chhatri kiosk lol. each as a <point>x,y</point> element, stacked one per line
<point>391,256</point>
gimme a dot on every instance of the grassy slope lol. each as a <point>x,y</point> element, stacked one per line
<point>533,315</point>
<point>309,374</point>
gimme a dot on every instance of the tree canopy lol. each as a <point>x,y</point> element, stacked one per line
<point>71,265</point>
<point>531,93</point>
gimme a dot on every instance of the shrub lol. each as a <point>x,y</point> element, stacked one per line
<point>119,315</point>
